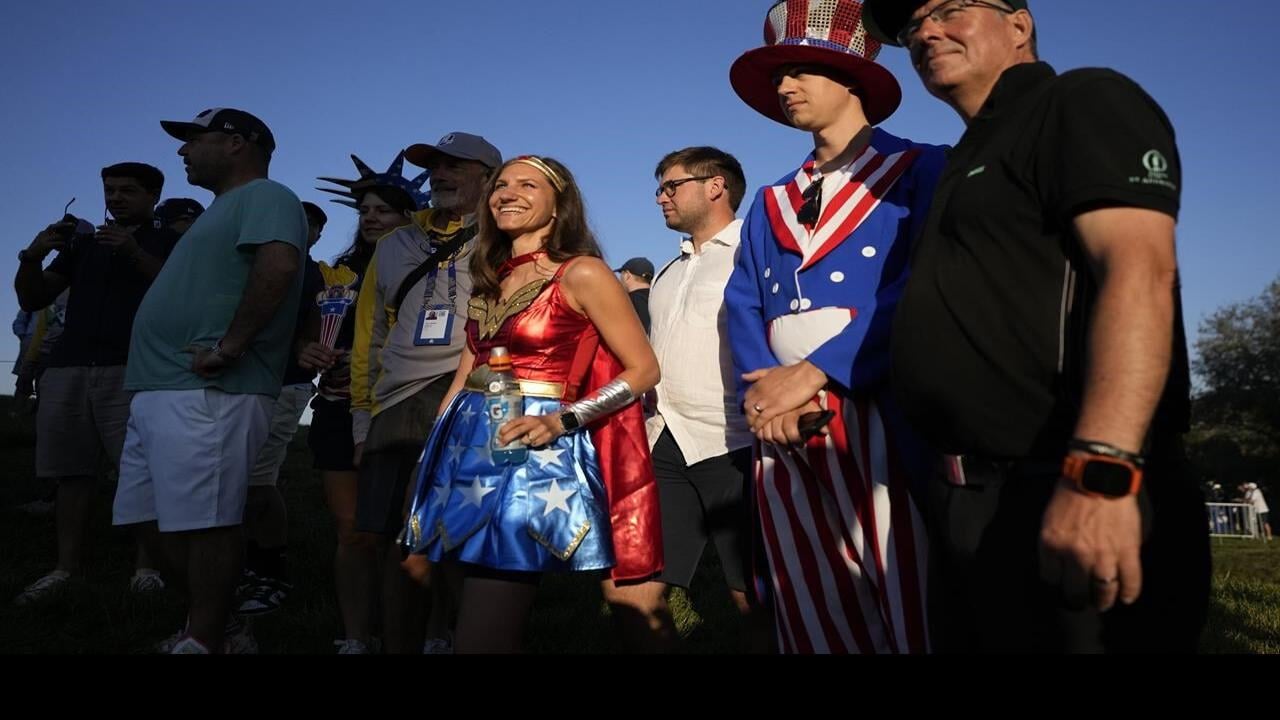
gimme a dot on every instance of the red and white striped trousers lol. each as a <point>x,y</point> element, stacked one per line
<point>846,547</point>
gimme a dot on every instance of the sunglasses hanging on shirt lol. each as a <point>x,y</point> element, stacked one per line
<point>808,213</point>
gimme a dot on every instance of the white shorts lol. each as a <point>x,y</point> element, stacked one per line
<point>187,456</point>
<point>285,415</point>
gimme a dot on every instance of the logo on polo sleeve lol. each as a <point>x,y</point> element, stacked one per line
<point>1157,167</point>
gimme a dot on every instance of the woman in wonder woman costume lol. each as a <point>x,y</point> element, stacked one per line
<point>585,498</point>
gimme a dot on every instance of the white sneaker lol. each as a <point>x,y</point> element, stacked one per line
<point>44,588</point>
<point>189,646</point>
<point>264,596</point>
<point>437,646</point>
<point>145,583</point>
<point>38,508</point>
<point>238,640</point>
<point>165,646</point>
<point>352,647</point>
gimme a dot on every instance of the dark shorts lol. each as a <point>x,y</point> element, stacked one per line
<point>702,502</point>
<point>329,438</point>
<point>391,452</point>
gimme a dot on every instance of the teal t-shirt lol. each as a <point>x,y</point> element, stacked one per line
<point>196,294</point>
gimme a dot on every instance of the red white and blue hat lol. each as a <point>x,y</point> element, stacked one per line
<point>826,33</point>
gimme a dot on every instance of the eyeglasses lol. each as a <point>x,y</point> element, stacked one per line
<point>671,186</point>
<point>808,213</point>
<point>945,14</point>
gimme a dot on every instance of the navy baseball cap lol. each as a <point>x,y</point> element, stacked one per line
<point>314,212</point>
<point>638,266</point>
<point>176,208</point>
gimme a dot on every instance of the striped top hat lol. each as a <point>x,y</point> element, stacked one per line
<point>825,33</point>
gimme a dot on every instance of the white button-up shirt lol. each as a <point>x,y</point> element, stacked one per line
<point>697,398</point>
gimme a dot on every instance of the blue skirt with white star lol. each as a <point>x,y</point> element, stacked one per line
<point>549,514</point>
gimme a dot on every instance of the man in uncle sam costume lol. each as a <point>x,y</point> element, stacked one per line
<point>842,551</point>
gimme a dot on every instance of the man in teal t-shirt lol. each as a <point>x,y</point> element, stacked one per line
<point>193,301</point>
<point>206,360</point>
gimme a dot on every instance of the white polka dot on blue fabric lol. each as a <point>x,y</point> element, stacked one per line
<point>868,252</point>
<point>806,304</point>
<point>795,305</point>
<point>768,273</point>
<point>776,288</point>
<point>837,277</point>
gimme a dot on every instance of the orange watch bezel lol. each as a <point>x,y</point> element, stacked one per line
<point>1073,469</point>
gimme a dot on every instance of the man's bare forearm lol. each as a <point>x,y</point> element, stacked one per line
<point>275,266</point>
<point>1130,349</point>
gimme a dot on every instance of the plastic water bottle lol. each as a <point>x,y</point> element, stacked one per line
<point>505,403</point>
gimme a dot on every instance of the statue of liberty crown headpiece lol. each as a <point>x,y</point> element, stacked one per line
<point>392,178</point>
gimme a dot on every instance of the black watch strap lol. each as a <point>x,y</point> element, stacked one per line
<point>569,421</point>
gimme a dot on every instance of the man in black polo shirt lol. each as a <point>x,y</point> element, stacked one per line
<point>636,275</point>
<point>1040,343</point>
<point>177,214</point>
<point>83,405</point>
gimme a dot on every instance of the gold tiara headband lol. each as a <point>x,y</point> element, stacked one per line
<point>534,161</point>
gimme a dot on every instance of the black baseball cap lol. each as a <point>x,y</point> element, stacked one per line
<point>227,120</point>
<point>176,208</point>
<point>884,19</point>
<point>313,211</point>
<point>638,266</point>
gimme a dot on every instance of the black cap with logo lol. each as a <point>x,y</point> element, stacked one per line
<point>884,19</point>
<point>227,120</point>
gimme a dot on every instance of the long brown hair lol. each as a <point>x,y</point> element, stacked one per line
<point>570,237</point>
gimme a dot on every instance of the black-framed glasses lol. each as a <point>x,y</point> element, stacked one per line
<point>808,213</point>
<point>671,186</point>
<point>945,14</point>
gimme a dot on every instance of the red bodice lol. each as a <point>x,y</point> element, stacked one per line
<point>548,339</point>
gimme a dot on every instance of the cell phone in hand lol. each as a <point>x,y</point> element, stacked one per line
<point>810,424</point>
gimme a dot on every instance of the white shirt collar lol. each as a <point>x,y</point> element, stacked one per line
<point>729,236</point>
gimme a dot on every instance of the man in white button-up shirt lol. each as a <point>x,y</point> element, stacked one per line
<point>699,437</point>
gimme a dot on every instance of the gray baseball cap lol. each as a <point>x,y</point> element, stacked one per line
<point>464,146</point>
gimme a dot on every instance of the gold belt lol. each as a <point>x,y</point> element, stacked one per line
<point>479,377</point>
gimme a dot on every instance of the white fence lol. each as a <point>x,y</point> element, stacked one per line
<point>1233,520</point>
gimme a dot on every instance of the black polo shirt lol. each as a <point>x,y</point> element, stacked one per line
<point>640,301</point>
<point>989,341</point>
<point>106,289</point>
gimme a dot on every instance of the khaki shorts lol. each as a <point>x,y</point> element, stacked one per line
<point>82,416</point>
<point>391,453</point>
<point>288,409</point>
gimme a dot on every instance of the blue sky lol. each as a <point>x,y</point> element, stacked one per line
<point>606,87</point>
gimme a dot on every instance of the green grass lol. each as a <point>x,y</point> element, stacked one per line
<point>98,615</point>
<point>1244,611</point>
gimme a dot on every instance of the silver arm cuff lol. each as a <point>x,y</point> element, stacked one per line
<point>607,400</point>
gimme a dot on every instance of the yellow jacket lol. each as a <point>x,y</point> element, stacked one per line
<point>386,366</point>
